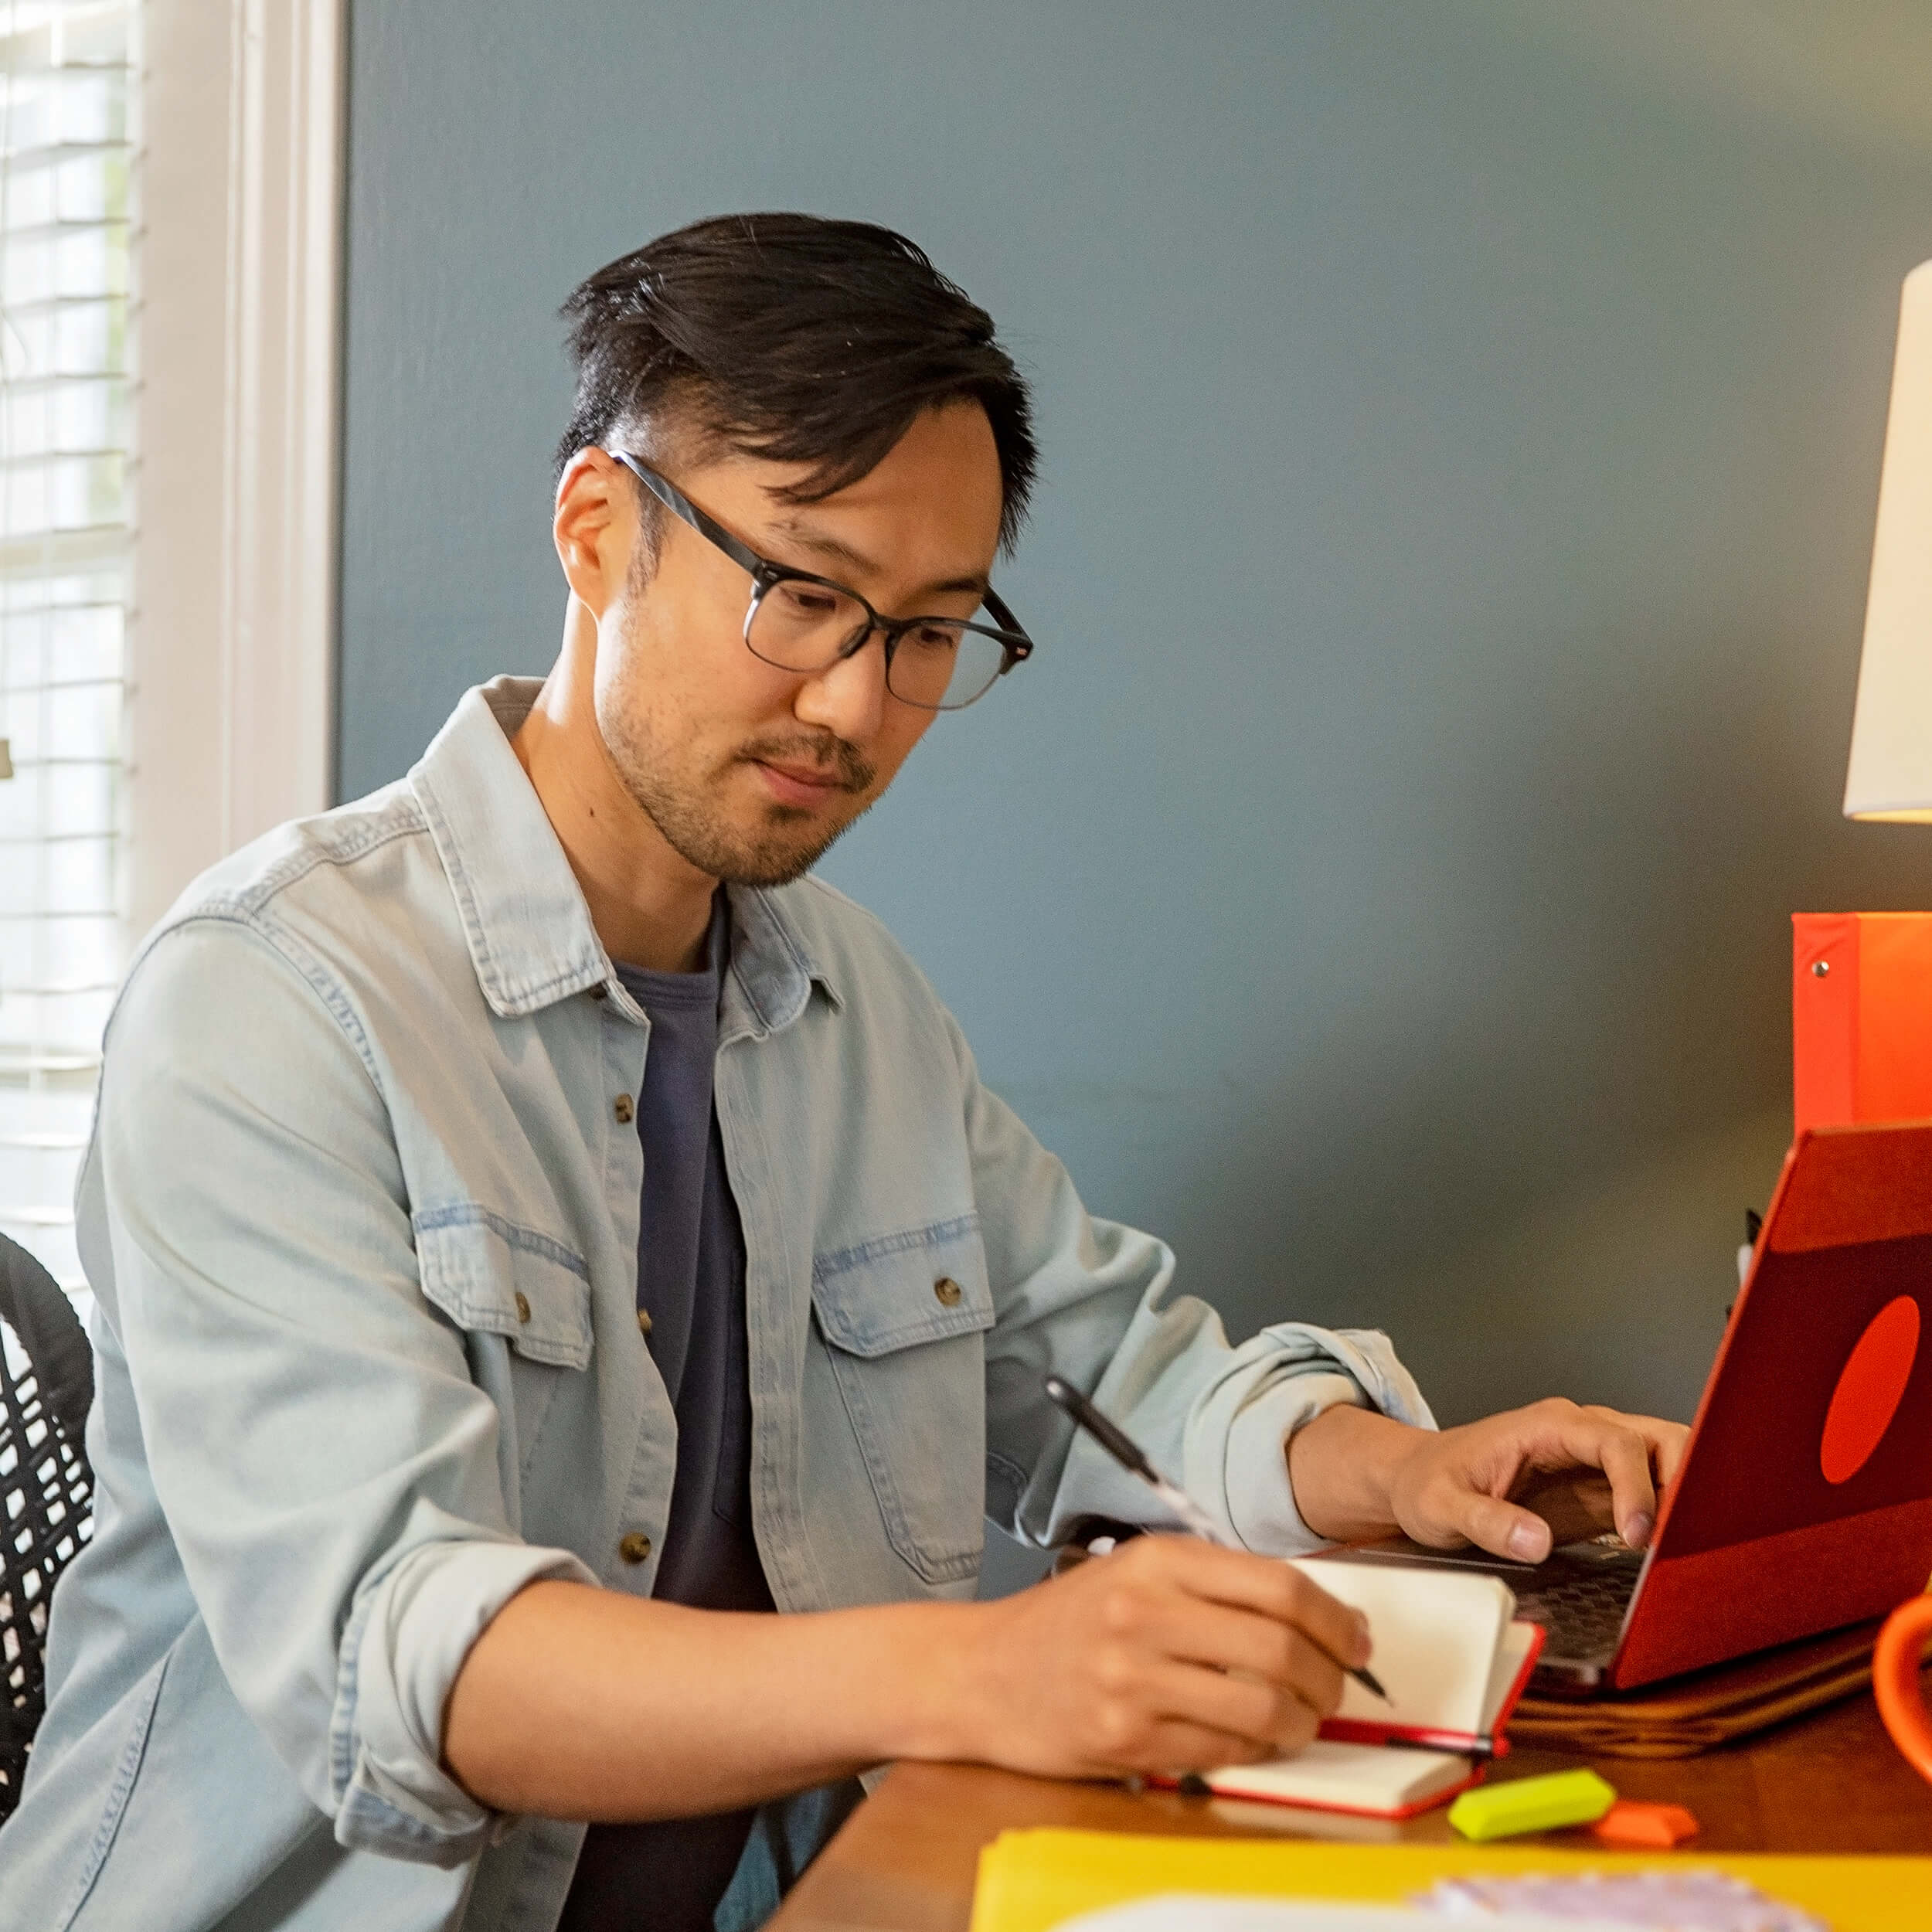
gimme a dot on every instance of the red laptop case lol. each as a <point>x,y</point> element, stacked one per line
<point>1805,1502</point>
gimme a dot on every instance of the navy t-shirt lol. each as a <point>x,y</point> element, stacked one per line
<point>668,1876</point>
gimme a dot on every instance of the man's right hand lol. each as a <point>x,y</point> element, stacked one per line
<point>1168,1656</point>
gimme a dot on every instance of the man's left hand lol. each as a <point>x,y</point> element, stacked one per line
<point>1514,1484</point>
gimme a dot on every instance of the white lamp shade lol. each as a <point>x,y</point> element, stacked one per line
<point>1890,775</point>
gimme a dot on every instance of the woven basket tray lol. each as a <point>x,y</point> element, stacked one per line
<point>1692,1713</point>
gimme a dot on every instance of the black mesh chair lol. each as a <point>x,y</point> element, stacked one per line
<point>47,1489</point>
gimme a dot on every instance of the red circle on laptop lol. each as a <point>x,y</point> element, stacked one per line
<point>1870,1387</point>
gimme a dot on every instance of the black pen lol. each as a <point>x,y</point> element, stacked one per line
<point>1128,1454</point>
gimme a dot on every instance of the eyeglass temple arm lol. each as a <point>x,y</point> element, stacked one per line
<point>1002,615</point>
<point>680,505</point>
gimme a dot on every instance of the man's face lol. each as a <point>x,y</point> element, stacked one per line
<point>750,771</point>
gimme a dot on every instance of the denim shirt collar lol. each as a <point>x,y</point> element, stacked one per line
<point>528,928</point>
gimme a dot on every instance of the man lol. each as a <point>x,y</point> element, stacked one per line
<point>568,1304</point>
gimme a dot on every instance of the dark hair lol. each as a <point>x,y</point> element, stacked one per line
<point>793,338</point>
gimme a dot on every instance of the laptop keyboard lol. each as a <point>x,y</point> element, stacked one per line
<point>1583,1614</point>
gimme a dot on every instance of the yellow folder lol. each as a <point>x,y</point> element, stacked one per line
<point>1031,1880</point>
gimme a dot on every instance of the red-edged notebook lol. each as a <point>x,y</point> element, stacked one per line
<point>1453,1658</point>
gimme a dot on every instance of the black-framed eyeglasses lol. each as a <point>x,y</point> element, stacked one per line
<point>798,621</point>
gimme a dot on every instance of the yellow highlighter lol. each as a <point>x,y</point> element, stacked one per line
<point>1531,1804</point>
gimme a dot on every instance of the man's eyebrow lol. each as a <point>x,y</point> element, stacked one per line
<point>835,549</point>
<point>808,536</point>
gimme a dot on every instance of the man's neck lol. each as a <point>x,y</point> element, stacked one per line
<point>650,907</point>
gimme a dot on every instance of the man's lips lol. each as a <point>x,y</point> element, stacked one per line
<point>793,784</point>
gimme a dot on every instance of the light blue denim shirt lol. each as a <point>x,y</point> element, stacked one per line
<point>360,1213</point>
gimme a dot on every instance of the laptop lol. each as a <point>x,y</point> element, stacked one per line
<point>1805,1500</point>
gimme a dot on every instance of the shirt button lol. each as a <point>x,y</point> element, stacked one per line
<point>635,1547</point>
<point>623,1109</point>
<point>600,992</point>
<point>947,1291</point>
<point>522,1306</point>
<point>643,1322</point>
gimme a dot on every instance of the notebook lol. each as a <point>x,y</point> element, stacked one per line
<point>1030,1881</point>
<point>1449,1650</point>
<point>1453,1658</point>
<point>1201,1911</point>
<point>1372,1780</point>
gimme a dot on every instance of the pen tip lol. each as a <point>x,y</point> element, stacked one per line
<point>1368,1680</point>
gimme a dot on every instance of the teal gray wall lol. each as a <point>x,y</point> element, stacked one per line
<point>1462,426</point>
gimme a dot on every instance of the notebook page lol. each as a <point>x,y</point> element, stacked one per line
<point>1351,1777</point>
<point>1511,1653</point>
<point>1436,1633</point>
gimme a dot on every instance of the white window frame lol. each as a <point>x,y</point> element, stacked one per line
<point>237,274</point>
<point>72,560</point>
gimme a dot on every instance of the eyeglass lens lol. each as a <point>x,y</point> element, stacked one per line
<point>940,664</point>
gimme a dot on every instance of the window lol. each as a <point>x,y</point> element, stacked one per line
<point>65,533</point>
<point>198,714</point>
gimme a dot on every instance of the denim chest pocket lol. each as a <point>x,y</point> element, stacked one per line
<point>521,1299</point>
<point>492,1276</point>
<point>904,1319</point>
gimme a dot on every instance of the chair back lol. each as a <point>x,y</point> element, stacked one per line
<point>47,1489</point>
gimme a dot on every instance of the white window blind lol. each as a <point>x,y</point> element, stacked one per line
<point>66,159</point>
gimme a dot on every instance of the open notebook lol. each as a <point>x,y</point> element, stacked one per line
<point>1454,1659</point>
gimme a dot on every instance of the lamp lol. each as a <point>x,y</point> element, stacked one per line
<point>1890,773</point>
<point>1861,1023</point>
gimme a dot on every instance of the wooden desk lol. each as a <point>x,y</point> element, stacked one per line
<point>904,1861</point>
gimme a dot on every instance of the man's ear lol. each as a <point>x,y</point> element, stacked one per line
<point>594,527</point>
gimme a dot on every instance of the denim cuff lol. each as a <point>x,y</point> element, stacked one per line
<point>406,1644</point>
<point>1321,1369</point>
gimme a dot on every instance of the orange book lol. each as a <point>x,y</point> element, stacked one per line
<point>1861,1017</point>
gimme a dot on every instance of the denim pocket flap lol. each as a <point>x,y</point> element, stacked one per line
<point>490,1275</point>
<point>919,1285</point>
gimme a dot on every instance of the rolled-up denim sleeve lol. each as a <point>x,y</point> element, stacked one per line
<point>1094,1301</point>
<point>328,1467</point>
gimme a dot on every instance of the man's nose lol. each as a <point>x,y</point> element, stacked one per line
<point>847,699</point>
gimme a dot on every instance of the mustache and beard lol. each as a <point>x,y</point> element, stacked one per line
<point>686,799</point>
